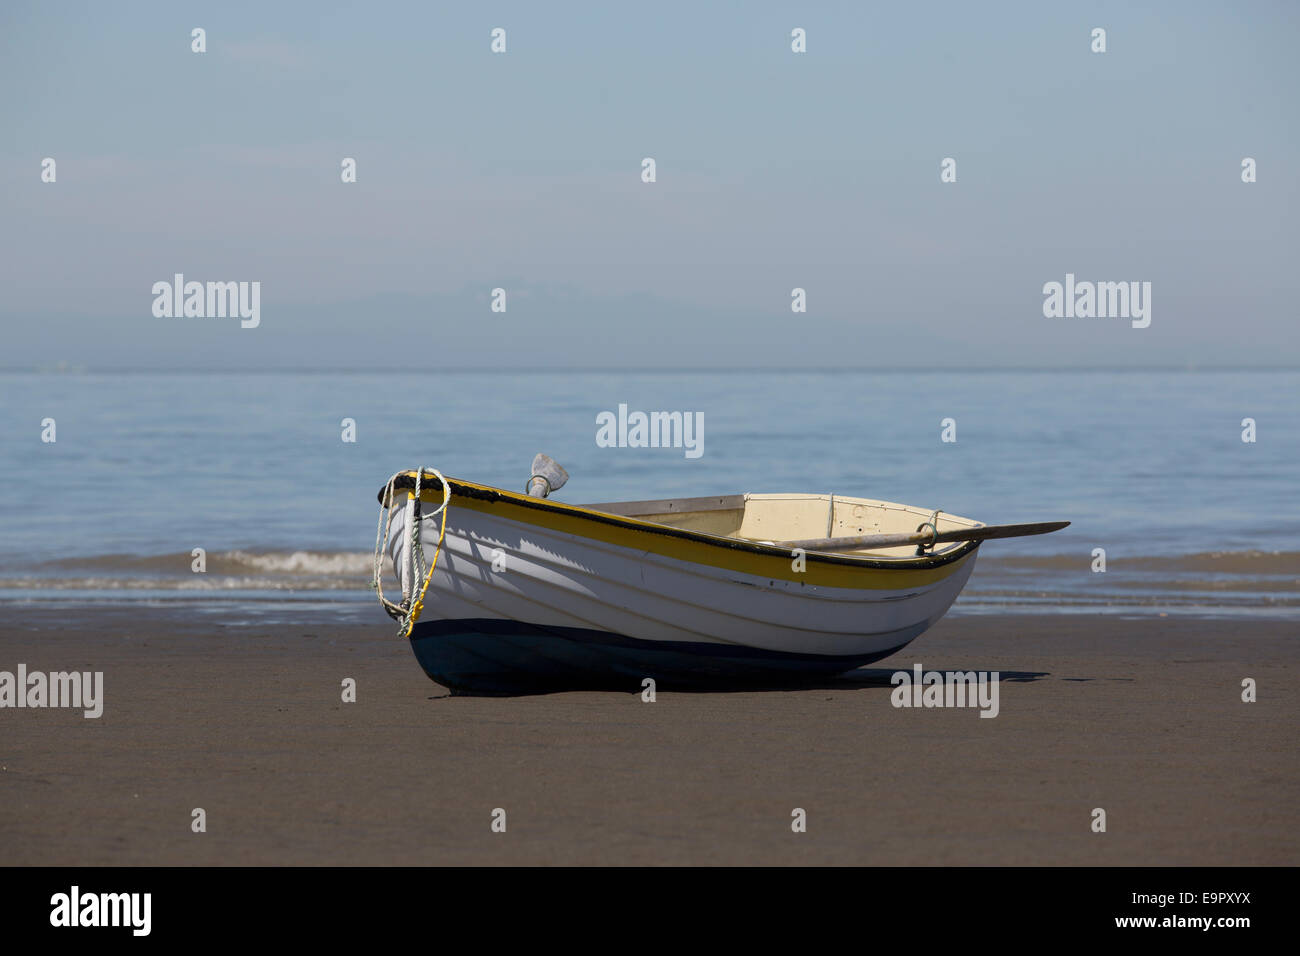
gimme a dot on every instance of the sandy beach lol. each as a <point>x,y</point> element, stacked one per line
<point>1140,716</point>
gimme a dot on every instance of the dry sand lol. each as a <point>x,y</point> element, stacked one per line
<point>1141,717</point>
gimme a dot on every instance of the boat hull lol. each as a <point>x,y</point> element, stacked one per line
<point>487,655</point>
<point>531,594</point>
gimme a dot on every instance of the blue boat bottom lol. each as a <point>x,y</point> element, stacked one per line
<point>490,656</point>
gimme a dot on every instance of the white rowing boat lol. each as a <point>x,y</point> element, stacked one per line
<point>516,592</point>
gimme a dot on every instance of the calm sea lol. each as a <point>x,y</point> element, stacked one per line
<point>251,467</point>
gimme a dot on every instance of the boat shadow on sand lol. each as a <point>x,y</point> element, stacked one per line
<point>863,678</point>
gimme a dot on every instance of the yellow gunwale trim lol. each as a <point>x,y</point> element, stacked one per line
<point>695,547</point>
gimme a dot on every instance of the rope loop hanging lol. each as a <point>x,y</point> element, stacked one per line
<point>408,611</point>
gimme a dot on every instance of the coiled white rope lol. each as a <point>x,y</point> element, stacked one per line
<point>408,611</point>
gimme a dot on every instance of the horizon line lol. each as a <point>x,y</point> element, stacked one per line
<point>77,369</point>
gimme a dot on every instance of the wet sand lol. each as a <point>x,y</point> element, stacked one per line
<point>1141,717</point>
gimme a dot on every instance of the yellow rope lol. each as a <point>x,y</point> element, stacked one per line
<point>418,606</point>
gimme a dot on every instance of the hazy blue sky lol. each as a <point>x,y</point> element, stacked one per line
<point>775,170</point>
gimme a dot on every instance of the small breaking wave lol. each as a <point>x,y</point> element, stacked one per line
<point>223,571</point>
<point>200,582</point>
<point>1230,580</point>
<point>300,562</point>
<point>1284,563</point>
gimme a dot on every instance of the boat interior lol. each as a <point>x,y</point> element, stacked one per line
<point>789,517</point>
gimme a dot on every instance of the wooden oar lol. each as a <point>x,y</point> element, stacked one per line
<point>923,537</point>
